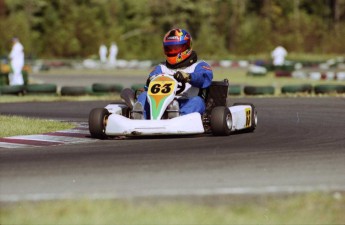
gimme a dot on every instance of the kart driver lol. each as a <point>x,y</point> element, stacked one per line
<point>182,63</point>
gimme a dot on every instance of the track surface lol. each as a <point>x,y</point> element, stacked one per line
<point>299,145</point>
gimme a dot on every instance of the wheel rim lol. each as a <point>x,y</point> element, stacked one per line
<point>105,121</point>
<point>228,121</point>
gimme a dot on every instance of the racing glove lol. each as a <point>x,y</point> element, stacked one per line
<point>181,76</point>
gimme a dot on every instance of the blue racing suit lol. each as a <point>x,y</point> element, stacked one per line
<point>201,76</point>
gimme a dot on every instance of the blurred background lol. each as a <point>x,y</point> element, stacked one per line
<point>221,29</point>
<point>233,36</point>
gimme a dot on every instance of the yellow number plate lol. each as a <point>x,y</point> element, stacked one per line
<point>161,86</point>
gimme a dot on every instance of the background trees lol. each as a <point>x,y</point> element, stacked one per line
<point>76,28</point>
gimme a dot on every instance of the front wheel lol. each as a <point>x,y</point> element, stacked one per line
<point>221,121</point>
<point>97,122</point>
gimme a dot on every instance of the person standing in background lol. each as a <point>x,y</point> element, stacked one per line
<point>17,63</point>
<point>113,54</point>
<point>278,55</point>
<point>103,53</point>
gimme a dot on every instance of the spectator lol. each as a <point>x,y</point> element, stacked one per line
<point>17,63</point>
<point>113,54</point>
<point>103,53</point>
<point>278,55</point>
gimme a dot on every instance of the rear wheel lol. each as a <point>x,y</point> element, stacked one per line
<point>97,122</point>
<point>254,120</point>
<point>221,121</point>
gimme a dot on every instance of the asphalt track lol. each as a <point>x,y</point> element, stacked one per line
<point>299,145</point>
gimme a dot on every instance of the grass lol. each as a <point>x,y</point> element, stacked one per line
<point>311,208</point>
<point>16,125</point>
<point>239,76</point>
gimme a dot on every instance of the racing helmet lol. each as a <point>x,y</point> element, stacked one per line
<point>177,44</point>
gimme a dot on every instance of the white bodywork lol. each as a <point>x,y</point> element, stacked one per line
<point>241,117</point>
<point>119,125</point>
<point>115,108</point>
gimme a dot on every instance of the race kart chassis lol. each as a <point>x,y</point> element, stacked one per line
<point>219,119</point>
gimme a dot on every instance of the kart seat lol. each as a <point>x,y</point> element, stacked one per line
<point>216,94</point>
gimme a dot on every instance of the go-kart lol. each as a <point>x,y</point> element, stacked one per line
<point>219,119</point>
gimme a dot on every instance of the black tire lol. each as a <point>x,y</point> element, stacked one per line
<point>304,88</point>
<point>256,74</point>
<point>329,88</point>
<point>97,122</point>
<point>234,90</point>
<point>221,121</point>
<point>41,89</point>
<point>107,88</point>
<point>254,120</point>
<point>259,90</point>
<point>254,116</point>
<point>11,89</point>
<point>72,91</point>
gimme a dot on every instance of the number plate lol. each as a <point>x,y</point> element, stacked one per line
<point>161,91</point>
<point>248,117</point>
<point>161,86</point>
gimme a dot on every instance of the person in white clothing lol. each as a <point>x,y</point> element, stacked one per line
<point>113,54</point>
<point>17,63</point>
<point>103,53</point>
<point>278,55</point>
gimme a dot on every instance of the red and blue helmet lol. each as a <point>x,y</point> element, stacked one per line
<point>177,44</point>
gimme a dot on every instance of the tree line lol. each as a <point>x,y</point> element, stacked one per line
<point>220,28</point>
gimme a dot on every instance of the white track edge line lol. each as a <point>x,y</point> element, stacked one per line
<point>171,193</point>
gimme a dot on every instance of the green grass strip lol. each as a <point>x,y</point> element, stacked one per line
<point>313,208</point>
<point>16,125</point>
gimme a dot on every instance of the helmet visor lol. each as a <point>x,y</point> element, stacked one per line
<point>173,50</point>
